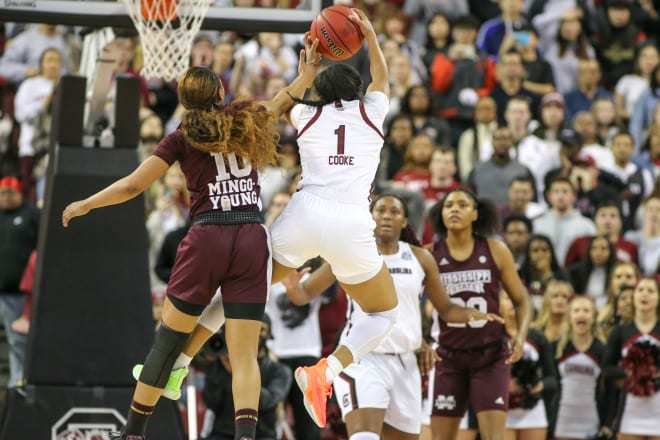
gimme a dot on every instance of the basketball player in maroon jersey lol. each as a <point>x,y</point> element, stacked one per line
<point>476,356</point>
<point>220,148</point>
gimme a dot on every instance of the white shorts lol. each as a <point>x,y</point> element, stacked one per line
<point>389,382</point>
<point>576,421</point>
<point>534,418</point>
<point>641,415</point>
<point>427,406</point>
<point>341,233</point>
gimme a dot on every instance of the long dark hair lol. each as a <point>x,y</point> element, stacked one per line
<point>586,265</point>
<point>337,82</point>
<point>526,269</point>
<point>405,101</point>
<point>487,220</point>
<point>408,232</point>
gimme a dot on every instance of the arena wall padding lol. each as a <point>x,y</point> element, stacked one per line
<point>58,413</point>
<point>127,117</point>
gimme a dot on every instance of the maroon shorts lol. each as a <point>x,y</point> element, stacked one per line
<point>236,258</point>
<point>478,377</point>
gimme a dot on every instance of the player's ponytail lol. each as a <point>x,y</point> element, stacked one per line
<point>336,83</point>
<point>488,219</point>
<point>242,127</point>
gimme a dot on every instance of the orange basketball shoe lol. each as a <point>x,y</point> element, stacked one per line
<point>316,390</point>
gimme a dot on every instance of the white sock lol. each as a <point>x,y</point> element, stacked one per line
<point>334,368</point>
<point>364,435</point>
<point>182,361</point>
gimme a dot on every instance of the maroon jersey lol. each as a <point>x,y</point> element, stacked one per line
<point>215,181</point>
<point>474,283</point>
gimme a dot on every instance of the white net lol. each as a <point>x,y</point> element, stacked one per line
<point>167,29</point>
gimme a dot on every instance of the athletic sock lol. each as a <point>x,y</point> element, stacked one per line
<point>246,424</point>
<point>138,416</point>
<point>364,435</point>
<point>182,361</point>
<point>334,368</point>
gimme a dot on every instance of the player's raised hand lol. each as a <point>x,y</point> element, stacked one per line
<point>362,21</point>
<point>517,346</point>
<point>75,209</point>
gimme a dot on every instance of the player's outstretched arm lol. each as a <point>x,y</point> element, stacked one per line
<point>309,64</point>
<point>317,283</point>
<point>377,65</point>
<point>435,292</point>
<point>518,294</point>
<point>122,190</point>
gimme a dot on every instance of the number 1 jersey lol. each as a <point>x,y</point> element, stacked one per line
<point>340,146</point>
<point>474,282</point>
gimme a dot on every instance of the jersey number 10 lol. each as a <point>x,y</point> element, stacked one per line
<point>235,169</point>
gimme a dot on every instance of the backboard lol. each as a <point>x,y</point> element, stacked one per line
<point>222,15</point>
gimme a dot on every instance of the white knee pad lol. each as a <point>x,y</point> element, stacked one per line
<point>213,315</point>
<point>369,331</point>
<point>364,436</point>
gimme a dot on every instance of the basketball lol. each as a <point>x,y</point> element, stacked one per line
<point>339,38</point>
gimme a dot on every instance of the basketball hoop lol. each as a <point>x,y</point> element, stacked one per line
<point>167,29</point>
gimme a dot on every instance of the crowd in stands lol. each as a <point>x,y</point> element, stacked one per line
<point>550,108</point>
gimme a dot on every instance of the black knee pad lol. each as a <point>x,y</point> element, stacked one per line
<point>166,348</point>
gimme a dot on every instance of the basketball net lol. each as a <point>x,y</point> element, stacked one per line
<point>167,29</point>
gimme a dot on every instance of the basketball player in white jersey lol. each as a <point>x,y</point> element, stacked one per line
<point>340,138</point>
<point>380,396</point>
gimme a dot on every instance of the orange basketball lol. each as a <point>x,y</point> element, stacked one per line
<point>339,38</point>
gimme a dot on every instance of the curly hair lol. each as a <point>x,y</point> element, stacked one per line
<point>487,219</point>
<point>243,126</point>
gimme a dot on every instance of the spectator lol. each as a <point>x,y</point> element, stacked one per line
<point>567,50</point>
<point>584,124</point>
<point>492,178</point>
<point>616,39</point>
<point>630,87</point>
<point>516,231</point>
<point>415,174</point>
<point>400,130</point>
<point>296,342</point>
<point>442,170</point>
<point>22,324</point>
<point>475,143</point>
<point>590,276</point>
<point>633,183</point>
<point>649,155</point>
<point>223,66</point>
<point>418,102</point>
<point>609,223</point>
<point>510,74</point>
<point>19,226</point>
<point>402,77</point>
<point>551,317</point>
<point>607,121</point>
<point>540,77</point>
<point>396,27</point>
<point>438,37</point>
<point>624,277</point>
<point>33,97</point>
<point>644,112</point>
<point>422,13</point>
<point>625,349</point>
<point>278,202</point>
<point>493,31</point>
<point>552,113</point>
<point>578,355</point>
<point>461,76</point>
<point>539,267</point>
<point>23,57</point>
<point>521,194</point>
<point>647,238</point>
<point>563,223</point>
<point>277,177</point>
<point>588,89</point>
<point>217,394</point>
<point>532,377</point>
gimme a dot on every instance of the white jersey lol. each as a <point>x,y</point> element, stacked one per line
<point>340,146</point>
<point>408,276</point>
